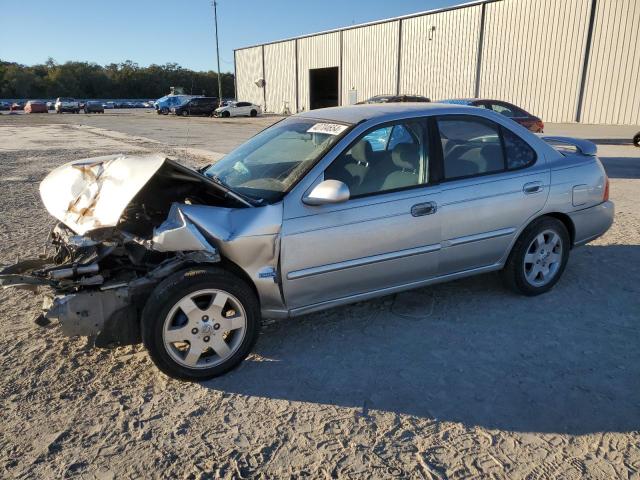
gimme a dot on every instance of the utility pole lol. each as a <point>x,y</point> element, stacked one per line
<point>215,18</point>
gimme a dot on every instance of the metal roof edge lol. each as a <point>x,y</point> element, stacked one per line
<point>473,3</point>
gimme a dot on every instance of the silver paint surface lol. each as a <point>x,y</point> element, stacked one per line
<point>301,257</point>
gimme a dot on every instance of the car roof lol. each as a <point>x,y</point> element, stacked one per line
<point>382,111</point>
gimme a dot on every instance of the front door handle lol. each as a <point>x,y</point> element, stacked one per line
<point>427,208</point>
<point>532,187</point>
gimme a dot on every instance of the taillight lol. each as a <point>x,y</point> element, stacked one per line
<point>605,196</point>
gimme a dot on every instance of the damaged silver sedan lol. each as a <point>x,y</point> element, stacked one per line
<point>321,209</point>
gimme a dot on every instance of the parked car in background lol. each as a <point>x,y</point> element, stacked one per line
<point>163,105</point>
<point>5,106</point>
<point>108,105</point>
<point>456,191</point>
<point>15,106</point>
<point>51,105</point>
<point>197,106</point>
<point>509,110</point>
<point>396,99</point>
<point>92,106</point>
<point>36,106</point>
<point>64,104</point>
<point>238,109</point>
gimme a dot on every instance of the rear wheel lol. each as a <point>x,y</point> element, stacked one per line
<point>185,113</point>
<point>226,114</point>
<point>200,323</point>
<point>636,139</point>
<point>538,258</point>
<point>253,113</point>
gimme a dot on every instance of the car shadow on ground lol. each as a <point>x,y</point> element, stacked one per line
<point>468,351</point>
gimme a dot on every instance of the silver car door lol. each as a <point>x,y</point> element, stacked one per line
<point>385,237</point>
<point>493,184</point>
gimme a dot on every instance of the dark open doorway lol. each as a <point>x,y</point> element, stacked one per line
<point>323,87</point>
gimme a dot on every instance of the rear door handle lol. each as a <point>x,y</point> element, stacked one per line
<point>427,208</point>
<point>532,187</point>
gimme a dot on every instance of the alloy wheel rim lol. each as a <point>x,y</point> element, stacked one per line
<point>543,258</point>
<point>204,328</point>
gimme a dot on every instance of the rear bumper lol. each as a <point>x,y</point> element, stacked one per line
<point>591,223</point>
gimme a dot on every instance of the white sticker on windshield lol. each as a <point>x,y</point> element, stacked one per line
<point>328,128</point>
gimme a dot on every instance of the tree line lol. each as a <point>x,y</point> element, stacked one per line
<point>116,80</point>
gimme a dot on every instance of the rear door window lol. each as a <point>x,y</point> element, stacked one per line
<point>470,146</point>
<point>505,110</point>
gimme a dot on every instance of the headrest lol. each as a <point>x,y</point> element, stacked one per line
<point>362,151</point>
<point>406,156</point>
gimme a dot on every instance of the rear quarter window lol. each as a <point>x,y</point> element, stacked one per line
<point>519,153</point>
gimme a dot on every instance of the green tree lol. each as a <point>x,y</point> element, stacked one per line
<point>116,80</point>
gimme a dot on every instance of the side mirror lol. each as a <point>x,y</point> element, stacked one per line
<point>328,191</point>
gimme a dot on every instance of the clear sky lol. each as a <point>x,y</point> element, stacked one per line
<point>162,31</point>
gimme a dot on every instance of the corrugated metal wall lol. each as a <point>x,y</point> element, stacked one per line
<point>280,75</point>
<point>320,51</point>
<point>248,70</point>
<point>612,87</point>
<point>369,60</point>
<point>439,53</point>
<point>533,53</point>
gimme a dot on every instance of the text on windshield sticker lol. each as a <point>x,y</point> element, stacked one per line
<point>327,128</point>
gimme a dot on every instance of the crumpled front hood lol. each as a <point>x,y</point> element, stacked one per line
<point>93,193</point>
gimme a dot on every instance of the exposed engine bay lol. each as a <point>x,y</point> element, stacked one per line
<point>120,232</point>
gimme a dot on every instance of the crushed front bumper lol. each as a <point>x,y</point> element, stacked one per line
<point>109,313</point>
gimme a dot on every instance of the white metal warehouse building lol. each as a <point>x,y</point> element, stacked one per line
<point>563,60</point>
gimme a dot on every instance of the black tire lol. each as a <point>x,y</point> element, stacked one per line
<point>636,139</point>
<point>185,113</point>
<point>513,273</point>
<point>226,114</point>
<point>254,113</point>
<point>172,290</point>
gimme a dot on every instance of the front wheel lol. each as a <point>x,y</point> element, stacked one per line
<point>636,139</point>
<point>254,113</point>
<point>200,323</point>
<point>185,113</point>
<point>538,257</point>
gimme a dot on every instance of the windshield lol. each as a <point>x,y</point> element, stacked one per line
<point>270,163</point>
<point>380,99</point>
<point>179,101</point>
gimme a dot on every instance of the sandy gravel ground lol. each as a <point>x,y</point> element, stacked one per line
<point>460,380</point>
